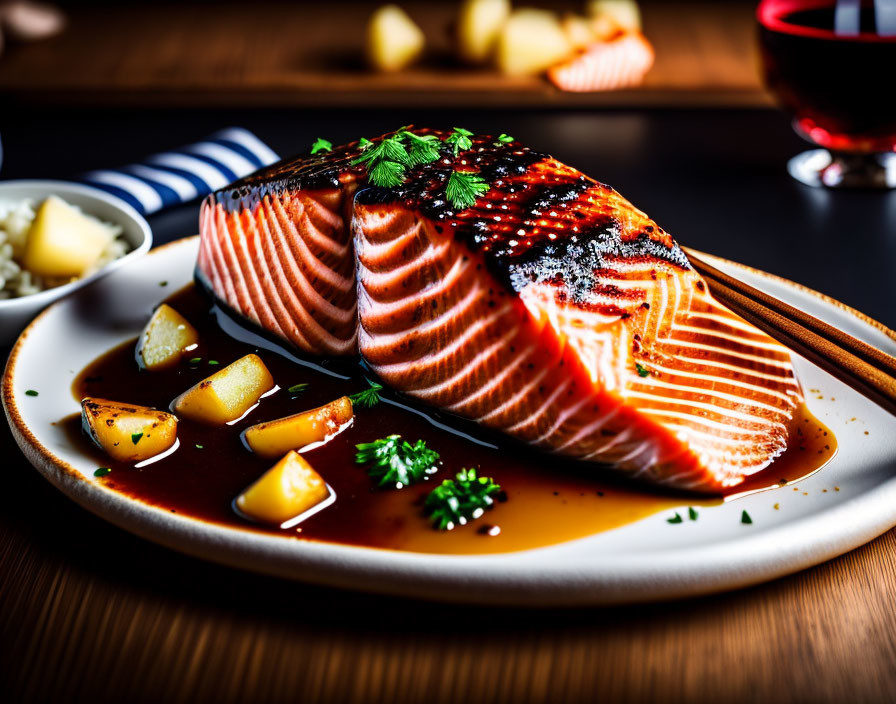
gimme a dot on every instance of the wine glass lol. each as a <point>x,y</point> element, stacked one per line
<point>832,66</point>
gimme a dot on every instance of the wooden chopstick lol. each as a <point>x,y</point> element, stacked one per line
<point>867,369</point>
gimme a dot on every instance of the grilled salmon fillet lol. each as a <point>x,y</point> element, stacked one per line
<point>551,309</point>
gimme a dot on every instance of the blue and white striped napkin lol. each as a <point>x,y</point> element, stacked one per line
<point>183,174</point>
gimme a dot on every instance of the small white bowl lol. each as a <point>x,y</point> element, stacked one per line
<point>16,312</point>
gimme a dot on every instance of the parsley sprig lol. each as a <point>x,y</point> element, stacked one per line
<point>395,462</point>
<point>457,501</point>
<point>388,160</point>
<point>369,397</point>
<point>464,187</point>
<point>321,145</point>
<point>422,149</point>
<point>503,139</point>
<point>460,138</point>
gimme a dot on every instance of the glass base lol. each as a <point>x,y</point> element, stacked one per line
<point>824,169</point>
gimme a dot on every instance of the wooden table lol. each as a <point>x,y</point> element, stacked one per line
<point>91,613</point>
<point>299,54</point>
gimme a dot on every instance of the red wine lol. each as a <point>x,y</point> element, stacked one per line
<point>839,89</point>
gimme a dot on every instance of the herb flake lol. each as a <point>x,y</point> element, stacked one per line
<point>455,502</point>
<point>692,513</point>
<point>675,519</point>
<point>135,437</point>
<point>31,392</point>
<point>422,149</point>
<point>642,370</point>
<point>367,398</point>
<point>745,518</point>
<point>502,140</point>
<point>102,471</point>
<point>321,145</point>
<point>395,462</point>
<point>463,188</point>
<point>297,388</point>
<point>460,138</point>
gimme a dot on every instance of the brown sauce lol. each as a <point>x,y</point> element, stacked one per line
<point>549,500</point>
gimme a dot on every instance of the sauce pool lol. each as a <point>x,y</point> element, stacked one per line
<point>548,499</point>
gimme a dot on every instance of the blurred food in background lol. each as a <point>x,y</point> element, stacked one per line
<point>601,49</point>
<point>23,20</point>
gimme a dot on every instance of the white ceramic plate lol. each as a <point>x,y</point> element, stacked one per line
<point>642,561</point>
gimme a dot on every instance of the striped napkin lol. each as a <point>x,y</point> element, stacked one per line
<point>183,174</point>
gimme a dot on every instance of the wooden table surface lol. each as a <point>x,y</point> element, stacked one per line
<point>288,54</point>
<point>91,613</point>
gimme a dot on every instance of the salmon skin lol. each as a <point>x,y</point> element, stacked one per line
<point>551,310</point>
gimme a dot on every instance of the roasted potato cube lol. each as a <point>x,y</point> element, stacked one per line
<point>625,14</point>
<point>393,40</point>
<point>62,242</point>
<point>579,31</point>
<point>126,432</point>
<point>228,394</point>
<point>531,42</point>
<point>277,437</point>
<point>165,338</point>
<point>478,25</point>
<point>288,489</point>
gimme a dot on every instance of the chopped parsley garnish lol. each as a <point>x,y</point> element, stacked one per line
<point>395,462</point>
<point>102,471</point>
<point>31,392</point>
<point>388,160</point>
<point>321,145</point>
<point>422,149</point>
<point>464,187</point>
<point>194,360</point>
<point>460,138</point>
<point>745,517</point>
<point>692,513</point>
<point>213,362</point>
<point>297,388</point>
<point>200,447</point>
<point>457,501</point>
<point>368,397</point>
<point>163,283</point>
<point>135,437</point>
<point>503,139</point>
<point>675,519</point>
<point>642,370</point>
<point>386,173</point>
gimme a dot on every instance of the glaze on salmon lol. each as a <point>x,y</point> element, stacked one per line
<point>551,310</point>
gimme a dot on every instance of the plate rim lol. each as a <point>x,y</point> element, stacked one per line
<point>414,574</point>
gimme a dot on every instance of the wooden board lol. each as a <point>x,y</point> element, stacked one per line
<point>296,54</point>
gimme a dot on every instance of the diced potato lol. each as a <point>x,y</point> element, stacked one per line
<point>62,242</point>
<point>478,25</point>
<point>165,338</point>
<point>276,437</point>
<point>531,42</point>
<point>605,28</point>
<point>285,491</point>
<point>579,30</point>
<point>127,433</point>
<point>228,394</point>
<point>624,13</point>
<point>393,40</point>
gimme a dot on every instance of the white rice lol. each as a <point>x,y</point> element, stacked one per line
<point>15,221</point>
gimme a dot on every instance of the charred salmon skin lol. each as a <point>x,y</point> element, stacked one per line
<point>546,307</point>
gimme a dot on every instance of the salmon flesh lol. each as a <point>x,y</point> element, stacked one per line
<point>551,310</point>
